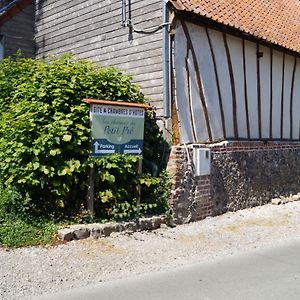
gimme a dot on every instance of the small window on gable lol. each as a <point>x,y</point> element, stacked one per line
<point>1,47</point>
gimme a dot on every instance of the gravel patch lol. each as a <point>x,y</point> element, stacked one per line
<point>27,272</point>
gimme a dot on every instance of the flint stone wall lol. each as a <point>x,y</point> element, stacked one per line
<point>243,175</point>
<point>243,178</point>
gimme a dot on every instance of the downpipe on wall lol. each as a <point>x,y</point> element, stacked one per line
<point>166,61</point>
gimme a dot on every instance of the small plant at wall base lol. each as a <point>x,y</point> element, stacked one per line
<point>17,228</point>
<point>45,147</point>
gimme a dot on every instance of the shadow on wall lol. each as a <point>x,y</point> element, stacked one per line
<point>17,31</point>
<point>39,14</point>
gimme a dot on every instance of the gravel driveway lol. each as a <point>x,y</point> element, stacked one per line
<point>33,271</point>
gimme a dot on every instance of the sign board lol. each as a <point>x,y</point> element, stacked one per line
<point>117,129</point>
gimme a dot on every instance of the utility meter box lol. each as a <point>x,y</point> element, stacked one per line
<point>201,159</point>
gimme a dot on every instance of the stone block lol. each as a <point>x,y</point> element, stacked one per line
<point>96,232</point>
<point>81,233</point>
<point>295,198</point>
<point>156,222</point>
<point>284,199</point>
<point>108,229</point>
<point>66,234</point>
<point>119,227</point>
<point>145,224</point>
<point>276,201</point>
<point>131,226</point>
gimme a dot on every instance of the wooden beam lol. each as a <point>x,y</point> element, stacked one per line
<point>118,103</point>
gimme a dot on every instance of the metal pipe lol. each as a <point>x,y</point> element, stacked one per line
<point>124,14</point>
<point>166,62</point>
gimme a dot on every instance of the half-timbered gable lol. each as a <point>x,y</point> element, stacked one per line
<point>237,70</point>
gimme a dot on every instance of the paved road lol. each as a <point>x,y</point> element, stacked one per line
<point>269,274</point>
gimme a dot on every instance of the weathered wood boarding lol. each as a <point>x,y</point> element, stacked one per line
<point>18,33</point>
<point>91,29</point>
<point>231,89</point>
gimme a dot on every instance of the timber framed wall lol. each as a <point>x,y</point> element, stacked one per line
<point>228,88</point>
<point>239,100</point>
<point>91,29</point>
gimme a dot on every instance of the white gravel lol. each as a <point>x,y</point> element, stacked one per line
<point>33,271</point>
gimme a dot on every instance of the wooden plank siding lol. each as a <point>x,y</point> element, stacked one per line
<point>228,88</point>
<point>91,29</point>
<point>18,33</point>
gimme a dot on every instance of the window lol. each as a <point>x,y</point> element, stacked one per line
<point>1,47</point>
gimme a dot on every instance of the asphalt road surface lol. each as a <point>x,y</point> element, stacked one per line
<point>268,274</point>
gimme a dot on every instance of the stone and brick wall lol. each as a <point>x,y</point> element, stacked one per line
<point>243,174</point>
<point>190,196</point>
<point>252,173</point>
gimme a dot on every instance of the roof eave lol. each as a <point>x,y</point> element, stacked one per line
<point>14,10</point>
<point>202,20</point>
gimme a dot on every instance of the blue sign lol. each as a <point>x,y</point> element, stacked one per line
<point>101,147</point>
<point>117,130</point>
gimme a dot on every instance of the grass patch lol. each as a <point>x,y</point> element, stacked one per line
<point>19,233</point>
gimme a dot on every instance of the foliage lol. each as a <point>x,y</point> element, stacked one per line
<point>17,229</point>
<point>117,194</point>
<point>19,233</point>
<point>44,140</point>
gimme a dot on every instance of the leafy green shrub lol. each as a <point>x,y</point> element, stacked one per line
<point>44,138</point>
<point>19,233</point>
<point>116,189</point>
<point>12,204</point>
<point>17,228</point>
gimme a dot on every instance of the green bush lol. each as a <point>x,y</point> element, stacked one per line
<point>17,228</point>
<point>44,139</point>
<point>19,233</point>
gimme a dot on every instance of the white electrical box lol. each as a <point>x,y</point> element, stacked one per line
<point>201,159</point>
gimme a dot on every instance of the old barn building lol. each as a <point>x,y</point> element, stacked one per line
<point>226,73</point>
<point>236,103</point>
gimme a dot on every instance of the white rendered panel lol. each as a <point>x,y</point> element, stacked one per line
<point>296,103</point>
<point>265,89</point>
<point>288,75</point>
<point>208,78</point>
<point>251,78</point>
<point>197,109</point>
<point>182,93</point>
<point>235,46</point>
<point>223,74</point>
<point>277,91</point>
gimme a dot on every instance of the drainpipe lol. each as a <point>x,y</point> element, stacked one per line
<point>166,62</point>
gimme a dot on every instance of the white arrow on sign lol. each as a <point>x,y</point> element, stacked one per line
<point>133,151</point>
<point>102,151</point>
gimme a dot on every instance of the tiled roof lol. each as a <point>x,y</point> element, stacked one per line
<point>275,21</point>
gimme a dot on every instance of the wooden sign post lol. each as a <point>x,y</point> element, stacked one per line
<point>117,127</point>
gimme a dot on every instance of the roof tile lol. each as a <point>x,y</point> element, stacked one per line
<point>275,21</point>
